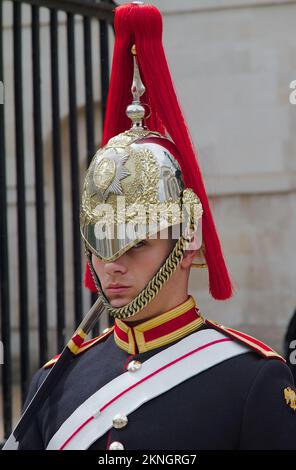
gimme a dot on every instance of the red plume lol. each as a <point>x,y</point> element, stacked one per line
<point>142,25</point>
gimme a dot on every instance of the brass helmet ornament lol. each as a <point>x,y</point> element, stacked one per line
<point>136,184</point>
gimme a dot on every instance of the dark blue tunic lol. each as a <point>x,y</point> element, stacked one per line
<point>236,404</point>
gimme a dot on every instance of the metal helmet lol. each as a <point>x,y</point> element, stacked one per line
<point>134,189</point>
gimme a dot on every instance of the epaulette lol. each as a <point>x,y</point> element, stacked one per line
<point>84,347</point>
<point>248,340</point>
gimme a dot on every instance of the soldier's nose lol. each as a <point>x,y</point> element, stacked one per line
<point>115,267</point>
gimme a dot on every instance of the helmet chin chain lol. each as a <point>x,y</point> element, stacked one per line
<point>153,287</point>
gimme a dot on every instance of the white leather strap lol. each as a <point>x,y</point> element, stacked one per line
<point>127,392</point>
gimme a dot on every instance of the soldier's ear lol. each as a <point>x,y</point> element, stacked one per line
<point>195,243</point>
<point>188,258</point>
<point>191,252</point>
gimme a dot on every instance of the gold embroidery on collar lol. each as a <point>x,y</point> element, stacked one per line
<point>137,340</point>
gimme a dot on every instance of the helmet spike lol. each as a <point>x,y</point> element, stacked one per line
<point>135,111</point>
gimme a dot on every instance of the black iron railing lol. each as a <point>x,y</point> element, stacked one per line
<point>90,12</point>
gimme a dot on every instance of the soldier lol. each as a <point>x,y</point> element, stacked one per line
<point>163,377</point>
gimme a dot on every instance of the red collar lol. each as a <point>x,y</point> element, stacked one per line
<point>161,330</point>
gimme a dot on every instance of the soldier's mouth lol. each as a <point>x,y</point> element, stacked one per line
<point>117,288</point>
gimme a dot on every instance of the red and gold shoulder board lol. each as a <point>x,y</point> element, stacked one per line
<point>248,340</point>
<point>84,347</point>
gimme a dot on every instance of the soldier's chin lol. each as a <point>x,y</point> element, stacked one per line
<point>118,302</point>
<point>121,299</point>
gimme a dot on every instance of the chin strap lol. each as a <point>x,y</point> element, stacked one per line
<point>154,285</point>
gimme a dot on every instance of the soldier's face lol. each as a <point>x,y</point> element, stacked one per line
<point>123,279</point>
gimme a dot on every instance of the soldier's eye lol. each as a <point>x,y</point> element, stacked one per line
<point>140,244</point>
